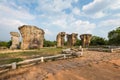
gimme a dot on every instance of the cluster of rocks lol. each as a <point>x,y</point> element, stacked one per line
<point>32,37</point>
<point>72,38</point>
<point>75,52</point>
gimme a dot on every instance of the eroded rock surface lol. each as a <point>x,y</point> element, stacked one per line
<point>86,38</point>
<point>15,40</point>
<point>32,37</point>
<point>71,39</point>
<point>60,39</point>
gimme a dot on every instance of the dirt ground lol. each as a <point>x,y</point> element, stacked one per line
<point>91,66</point>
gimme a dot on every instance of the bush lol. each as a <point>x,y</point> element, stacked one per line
<point>48,43</point>
<point>5,44</point>
<point>98,41</point>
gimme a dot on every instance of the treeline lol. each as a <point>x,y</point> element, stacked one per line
<point>48,43</point>
<point>113,39</point>
<point>5,44</point>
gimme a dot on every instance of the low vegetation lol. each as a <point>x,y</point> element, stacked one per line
<point>6,58</point>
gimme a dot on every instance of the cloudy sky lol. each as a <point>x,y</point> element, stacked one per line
<point>97,17</point>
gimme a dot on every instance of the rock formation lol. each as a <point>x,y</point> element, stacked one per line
<point>74,38</point>
<point>60,39</point>
<point>32,37</point>
<point>85,39</point>
<point>71,39</point>
<point>15,40</point>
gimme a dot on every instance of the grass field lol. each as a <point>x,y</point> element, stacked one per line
<point>10,57</point>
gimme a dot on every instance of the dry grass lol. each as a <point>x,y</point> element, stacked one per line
<point>10,57</point>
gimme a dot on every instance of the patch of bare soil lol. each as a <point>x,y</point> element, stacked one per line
<point>92,66</point>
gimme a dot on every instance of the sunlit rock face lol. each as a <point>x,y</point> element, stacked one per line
<point>71,39</point>
<point>86,38</point>
<point>74,38</point>
<point>15,40</point>
<point>32,37</point>
<point>60,39</point>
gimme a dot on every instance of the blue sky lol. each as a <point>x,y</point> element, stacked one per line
<point>96,17</point>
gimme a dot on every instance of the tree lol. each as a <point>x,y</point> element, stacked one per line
<point>98,41</point>
<point>114,37</point>
<point>48,43</point>
<point>9,43</point>
<point>5,44</point>
<point>78,42</point>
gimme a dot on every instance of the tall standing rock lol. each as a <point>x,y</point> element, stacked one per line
<point>15,40</point>
<point>74,38</point>
<point>60,39</point>
<point>32,37</point>
<point>86,38</point>
<point>71,39</point>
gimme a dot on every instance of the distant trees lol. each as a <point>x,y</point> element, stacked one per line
<point>78,42</point>
<point>5,43</point>
<point>96,40</point>
<point>114,37</point>
<point>48,43</point>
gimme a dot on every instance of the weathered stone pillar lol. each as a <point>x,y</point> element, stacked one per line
<point>15,40</point>
<point>86,38</point>
<point>60,39</point>
<point>32,37</point>
<point>71,39</point>
<point>74,38</point>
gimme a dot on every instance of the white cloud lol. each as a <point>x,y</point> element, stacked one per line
<point>50,35</point>
<point>115,5</point>
<point>47,32</point>
<point>9,12</point>
<point>83,26</point>
<point>98,15</point>
<point>117,15</point>
<point>60,21</point>
<point>76,11</point>
<point>76,0</point>
<point>100,8</point>
<point>110,23</point>
<point>95,6</point>
<point>53,6</point>
<point>10,23</point>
